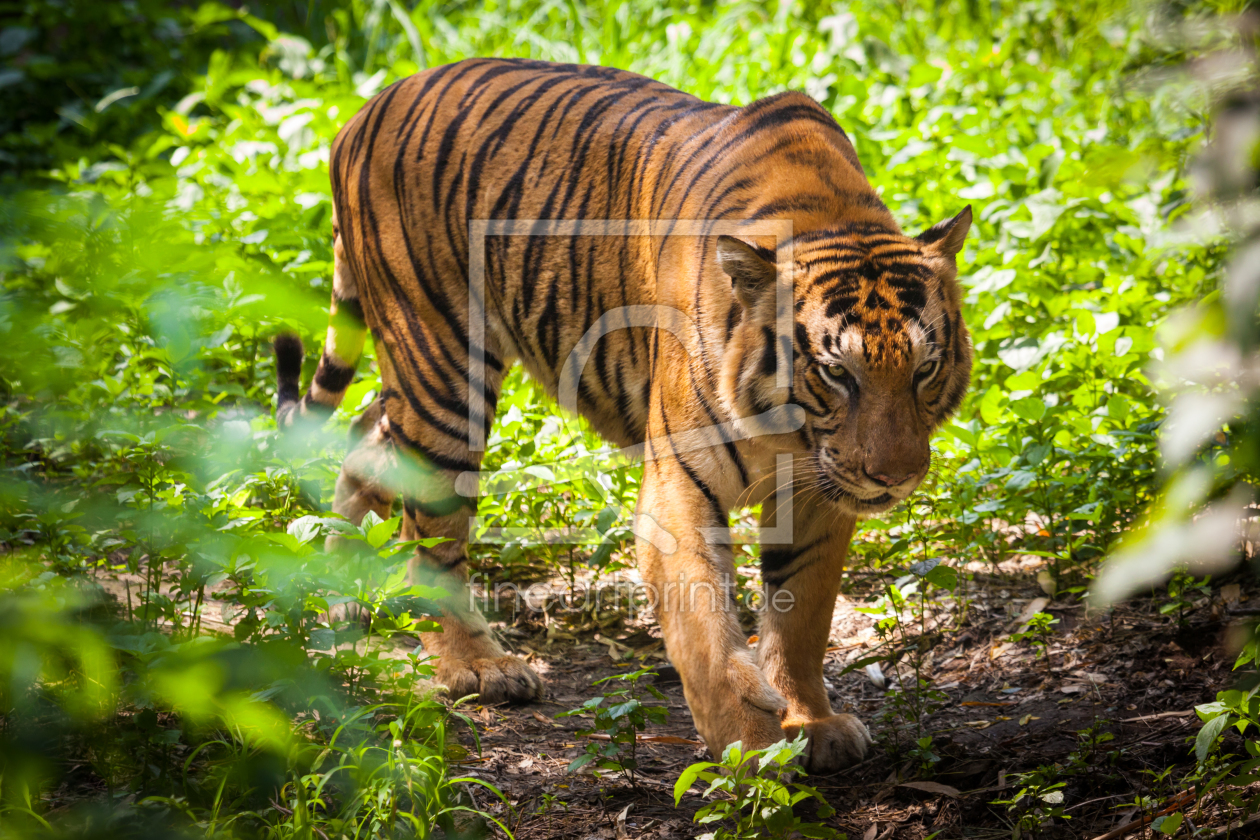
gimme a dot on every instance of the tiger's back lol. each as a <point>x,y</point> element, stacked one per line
<point>495,139</point>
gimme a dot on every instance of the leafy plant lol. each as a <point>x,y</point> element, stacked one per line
<point>755,796</point>
<point>1036,803</point>
<point>1088,756</point>
<point>1182,590</point>
<point>620,722</point>
<point>1038,633</point>
<point>1235,709</point>
<point>902,626</point>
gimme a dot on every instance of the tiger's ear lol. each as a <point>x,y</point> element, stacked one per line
<point>750,270</point>
<point>947,237</point>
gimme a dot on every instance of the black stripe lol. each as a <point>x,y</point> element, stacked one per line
<point>349,313</point>
<point>332,376</point>
<point>437,459</point>
<point>731,449</point>
<point>776,560</point>
<point>768,361</point>
<point>719,512</point>
<point>441,508</point>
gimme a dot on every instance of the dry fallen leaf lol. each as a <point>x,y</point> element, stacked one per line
<point>1026,718</point>
<point>869,834</point>
<point>978,724</point>
<point>541,718</point>
<point>616,650</point>
<point>932,787</point>
<point>1034,606</point>
<point>620,825</point>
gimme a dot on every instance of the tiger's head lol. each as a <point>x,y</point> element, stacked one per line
<point>880,354</point>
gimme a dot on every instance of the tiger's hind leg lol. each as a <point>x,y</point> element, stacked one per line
<point>365,480</point>
<point>429,460</point>
<point>365,484</point>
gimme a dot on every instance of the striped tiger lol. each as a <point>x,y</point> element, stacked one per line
<point>807,367</point>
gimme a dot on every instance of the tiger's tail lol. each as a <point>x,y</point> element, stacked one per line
<point>347,331</point>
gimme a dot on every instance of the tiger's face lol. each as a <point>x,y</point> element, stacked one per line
<point>881,356</point>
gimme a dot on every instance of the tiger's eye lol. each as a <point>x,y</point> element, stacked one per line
<point>926,369</point>
<point>836,371</point>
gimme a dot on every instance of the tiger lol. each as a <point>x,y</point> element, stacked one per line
<point>803,370</point>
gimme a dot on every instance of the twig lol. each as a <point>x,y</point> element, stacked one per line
<point>650,739</point>
<point>1092,801</point>
<point>1159,716</point>
<point>1181,801</point>
<point>1240,828</point>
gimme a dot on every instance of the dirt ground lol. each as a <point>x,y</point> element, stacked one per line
<point>1131,673</point>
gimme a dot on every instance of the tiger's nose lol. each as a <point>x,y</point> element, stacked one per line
<point>889,480</point>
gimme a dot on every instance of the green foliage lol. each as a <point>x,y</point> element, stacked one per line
<point>902,627</point>
<point>1038,633</point>
<point>1038,797</point>
<point>280,729</point>
<point>166,603</point>
<point>756,796</point>
<point>621,721</point>
<point>1036,803</point>
<point>1182,592</point>
<point>78,73</point>
<point>1168,825</point>
<point>1088,756</point>
<point>583,520</point>
<point>1235,709</point>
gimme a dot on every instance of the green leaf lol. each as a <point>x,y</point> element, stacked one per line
<point>305,528</point>
<point>1029,408</point>
<point>1206,739</point>
<point>688,777</point>
<point>581,761</point>
<point>943,576</point>
<point>962,434</point>
<point>622,709</point>
<point>381,533</point>
<point>1118,408</point>
<point>991,406</point>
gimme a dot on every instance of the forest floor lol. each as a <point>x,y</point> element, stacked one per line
<point>1110,703</point>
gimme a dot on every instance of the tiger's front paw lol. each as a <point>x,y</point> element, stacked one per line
<point>835,742</point>
<point>505,679</point>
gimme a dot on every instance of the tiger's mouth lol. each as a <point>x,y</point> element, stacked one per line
<point>839,495</point>
<point>838,490</point>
